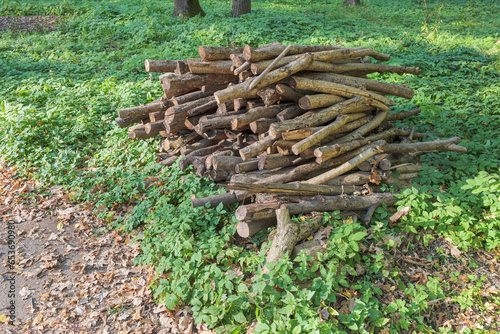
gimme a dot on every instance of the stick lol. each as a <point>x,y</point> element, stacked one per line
<point>270,67</point>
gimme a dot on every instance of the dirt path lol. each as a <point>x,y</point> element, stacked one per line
<point>70,273</point>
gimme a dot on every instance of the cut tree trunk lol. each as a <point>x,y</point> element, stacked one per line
<point>241,7</point>
<point>187,8</point>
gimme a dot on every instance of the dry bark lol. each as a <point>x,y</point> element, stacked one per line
<point>254,114</point>
<point>319,101</point>
<point>199,66</point>
<point>247,229</point>
<point>255,55</point>
<point>217,53</point>
<point>254,149</point>
<point>361,68</point>
<point>160,66</point>
<point>193,81</point>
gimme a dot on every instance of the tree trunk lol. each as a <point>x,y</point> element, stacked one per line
<point>187,8</point>
<point>241,7</point>
<point>351,3</point>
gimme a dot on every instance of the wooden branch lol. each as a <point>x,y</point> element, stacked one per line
<point>245,66</point>
<point>271,161</point>
<point>192,81</point>
<point>283,72</point>
<point>325,132</point>
<point>182,67</point>
<point>254,55</point>
<point>124,122</point>
<point>269,68</point>
<point>254,114</point>
<point>367,128</point>
<point>160,66</point>
<point>247,166</point>
<point>361,68</point>
<point>328,56</point>
<point>356,104</point>
<point>384,87</point>
<point>288,93</point>
<point>234,92</point>
<point>209,161</point>
<point>297,189</point>
<point>311,248</point>
<point>221,162</point>
<point>261,125</point>
<point>290,112</point>
<point>180,112</point>
<point>256,211</point>
<point>335,88</point>
<point>217,53</point>
<point>247,229</point>
<point>436,145</point>
<point>143,110</point>
<point>190,97</point>
<point>288,234</point>
<point>215,200</point>
<point>154,127</point>
<point>398,215</point>
<point>141,134</point>
<point>169,161</point>
<point>199,66</point>
<point>269,95</point>
<point>370,150</point>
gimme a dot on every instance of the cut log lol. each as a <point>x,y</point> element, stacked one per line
<point>217,53</point>
<point>344,53</point>
<point>269,68</point>
<point>247,229</point>
<point>169,161</point>
<point>124,122</point>
<point>261,125</point>
<point>254,114</point>
<point>361,68</point>
<point>284,71</point>
<point>234,92</point>
<point>269,95</point>
<point>160,66</point>
<point>271,161</point>
<point>288,93</point>
<point>215,200</point>
<point>362,130</point>
<point>295,189</point>
<point>254,149</point>
<point>141,134</point>
<point>180,112</point>
<point>384,87</point>
<point>254,55</point>
<point>247,166</point>
<point>192,81</point>
<point>288,234</point>
<point>154,127</point>
<point>335,88</point>
<point>256,211</point>
<point>199,66</point>
<point>190,97</point>
<point>319,101</point>
<point>181,68</point>
<point>221,162</point>
<point>143,110</point>
<point>436,145</point>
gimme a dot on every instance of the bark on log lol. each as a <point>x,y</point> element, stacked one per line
<point>180,112</point>
<point>256,211</point>
<point>271,161</point>
<point>295,189</point>
<point>209,161</point>
<point>319,101</point>
<point>160,66</point>
<point>288,234</point>
<point>254,114</point>
<point>269,68</point>
<point>199,66</point>
<point>436,145</point>
<point>255,55</point>
<point>193,96</point>
<point>269,95</point>
<point>141,134</point>
<point>192,81</point>
<point>361,68</point>
<point>144,109</point>
<point>182,67</point>
<point>214,87</point>
<point>215,200</point>
<point>234,92</point>
<point>362,130</point>
<point>124,122</point>
<point>169,161</point>
<point>247,166</point>
<point>393,89</point>
<point>154,127</point>
<point>344,53</point>
<point>221,162</point>
<point>335,88</point>
<point>217,52</point>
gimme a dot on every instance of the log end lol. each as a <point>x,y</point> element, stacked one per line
<point>146,65</point>
<point>243,229</point>
<point>304,103</point>
<point>202,53</point>
<point>247,52</point>
<point>147,128</point>
<point>241,213</point>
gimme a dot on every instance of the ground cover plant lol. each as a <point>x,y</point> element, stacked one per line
<point>432,272</point>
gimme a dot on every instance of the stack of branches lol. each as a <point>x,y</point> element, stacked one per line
<point>298,128</point>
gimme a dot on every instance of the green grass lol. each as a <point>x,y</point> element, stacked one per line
<point>59,96</point>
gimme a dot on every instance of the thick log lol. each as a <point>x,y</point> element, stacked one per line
<point>367,165</point>
<point>214,87</point>
<point>261,125</point>
<point>160,66</point>
<point>254,114</point>
<point>254,55</point>
<point>216,134</point>
<point>215,200</point>
<point>369,151</point>
<point>154,127</point>
<point>205,123</point>
<point>180,112</point>
<point>356,104</point>
<point>220,175</point>
<point>192,81</point>
<point>335,88</point>
<point>284,71</point>
<point>234,92</point>
<point>210,105</point>
<point>288,234</point>
<point>344,53</point>
<point>143,110</point>
<point>247,229</point>
<point>271,161</point>
<point>141,134</point>
<point>319,101</point>
<point>295,189</point>
<point>361,68</point>
<point>256,211</point>
<point>325,132</point>
<point>254,149</point>
<point>284,147</point>
<point>251,104</point>
<point>124,122</point>
<point>169,161</point>
<point>157,116</point>
<point>217,53</point>
<point>199,66</point>
<point>247,166</point>
<point>221,162</point>
<point>209,161</point>
<point>384,87</point>
<point>311,248</point>
<point>408,168</point>
<point>174,127</point>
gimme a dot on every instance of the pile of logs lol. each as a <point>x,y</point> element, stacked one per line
<point>296,127</point>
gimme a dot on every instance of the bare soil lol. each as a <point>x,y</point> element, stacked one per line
<point>29,23</point>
